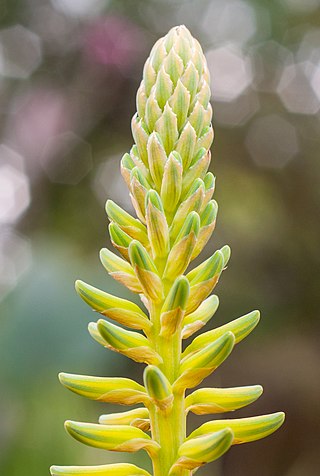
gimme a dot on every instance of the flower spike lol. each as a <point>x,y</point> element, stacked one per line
<point>172,193</point>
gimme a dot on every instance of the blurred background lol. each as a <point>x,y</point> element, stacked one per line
<point>69,71</point>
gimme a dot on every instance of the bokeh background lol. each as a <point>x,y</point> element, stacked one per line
<point>69,70</point>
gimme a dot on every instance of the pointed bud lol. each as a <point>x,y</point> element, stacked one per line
<point>106,389</point>
<point>180,102</point>
<point>191,203</point>
<point>220,400</point>
<point>171,183</point>
<point>146,271</point>
<point>207,226</point>
<point>152,111</point>
<point>240,328</point>
<point>198,318</point>
<point>141,100</point>
<point>196,118</point>
<point>158,231</point>
<point>112,437</point>
<point>118,309</point>
<point>167,127</point>
<point>209,184</point>
<point>132,344</point>
<point>139,188</point>
<point>149,76</point>
<point>190,79</point>
<point>173,65</point>
<point>226,251</point>
<point>180,254</point>
<point>206,139</point>
<point>127,164</point>
<point>196,452</point>
<point>120,239</point>
<point>173,310</point>
<point>245,429</point>
<point>117,469</point>
<point>198,169</point>
<point>140,136</point>
<point>124,418</point>
<point>126,222</point>
<point>196,367</point>
<point>157,158</point>
<point>158,387</point>
<point>163,87</point>
<point>186,145</point>
<point>120,270</point>
<point>203,279</point>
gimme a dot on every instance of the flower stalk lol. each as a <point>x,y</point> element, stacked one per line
<point>171,190</point>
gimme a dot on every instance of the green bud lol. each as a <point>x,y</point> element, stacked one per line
<point>126,222</point>
<point>158,387</point>
<point>196,452</point>
<point>196,367</point>
<point>105,389</point>
<point>167,127</point>
<point>117,469</point>
<point>124,418</point>
<point>245,429</point>
<point>139,188</point>
<point>132,344</point>
<point>112,437</point>
<point>197,170</point>
<point>140,136</point>
<point>120,239</point>
<point>203,279</point>
<point>207,223</point>
<point>220,400</point>
<point>157,158</point>
<point>240,327</point>
<point>158,231</point>
<point>146,271</point>
<point>163,87</point>
<point>173,310</point>
<point>226,251</point>
<point>120,270</point>
<point>123,311</point>
<point>198,318</point>
<point>186,145</point>
<point>141,100</point>
<point>180,102</point>
<point>191,203</point>
<point>152,111</point>
<point>180,254</point>
<point>127,164</point>
<point>173,65</point>
<point>171,183</point>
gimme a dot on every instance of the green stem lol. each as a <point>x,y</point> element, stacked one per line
<point>168,427</point>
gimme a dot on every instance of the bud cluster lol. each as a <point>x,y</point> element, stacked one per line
<point>171,190</point>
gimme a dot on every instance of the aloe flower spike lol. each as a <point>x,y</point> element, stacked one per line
<point>171,190</point>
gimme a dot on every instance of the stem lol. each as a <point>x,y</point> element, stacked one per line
<point>168,427</point>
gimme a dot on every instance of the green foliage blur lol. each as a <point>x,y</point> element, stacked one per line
<point>69,71</point>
